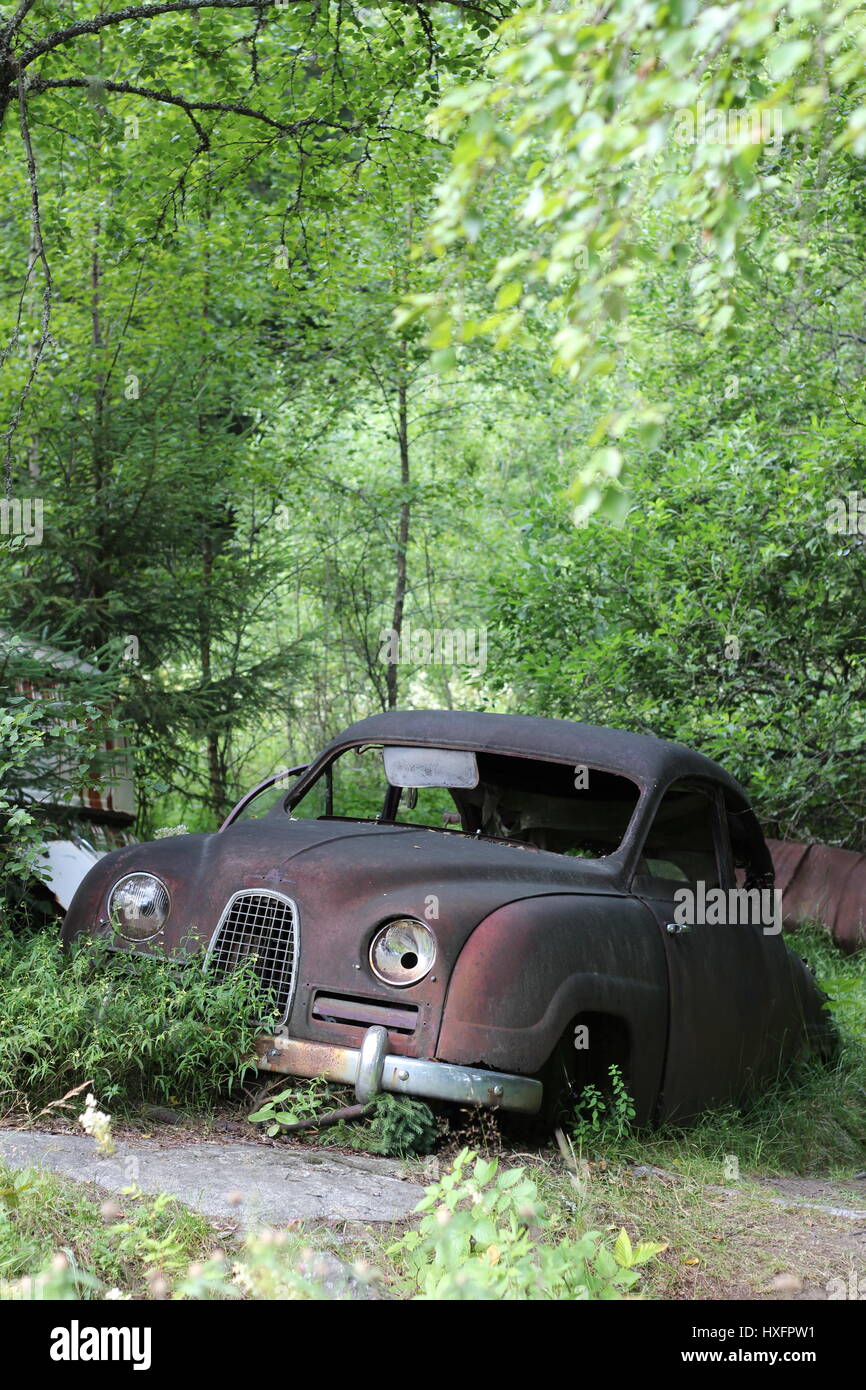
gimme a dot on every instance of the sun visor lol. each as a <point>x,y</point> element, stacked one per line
<point>430,767</point>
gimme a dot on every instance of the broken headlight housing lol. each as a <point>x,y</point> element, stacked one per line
<point>402,952</point>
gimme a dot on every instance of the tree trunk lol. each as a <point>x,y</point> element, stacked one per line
<point>101,575</point>
<point>402,535</point>
<point>216,777</point>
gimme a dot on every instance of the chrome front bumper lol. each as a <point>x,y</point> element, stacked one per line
<point>369,1069</point>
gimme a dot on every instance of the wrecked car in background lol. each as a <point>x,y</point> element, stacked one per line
<point>80,823</point>
<point>486,909</point>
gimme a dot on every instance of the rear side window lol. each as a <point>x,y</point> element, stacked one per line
<point>751,858</point>
<point>680,846</point>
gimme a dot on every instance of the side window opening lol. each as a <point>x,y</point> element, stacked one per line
<point>752,862</point>
<point>681,846</point>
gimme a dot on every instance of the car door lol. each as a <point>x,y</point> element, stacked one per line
<point>789,1013</point>
<point>716,967</point>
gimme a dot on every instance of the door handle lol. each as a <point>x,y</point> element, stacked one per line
<point>676,928</point>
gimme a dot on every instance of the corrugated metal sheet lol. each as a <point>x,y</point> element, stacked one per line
<point>819,882</point>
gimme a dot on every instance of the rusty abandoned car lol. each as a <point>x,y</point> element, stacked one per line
<point>481,908</point>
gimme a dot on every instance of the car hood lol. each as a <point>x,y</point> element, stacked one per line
<point>346,879</point>
<point>345,876</point>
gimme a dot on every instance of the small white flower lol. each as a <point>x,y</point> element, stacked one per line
<point>98,1125</point>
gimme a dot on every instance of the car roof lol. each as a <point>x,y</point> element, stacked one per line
<point>641,756</point>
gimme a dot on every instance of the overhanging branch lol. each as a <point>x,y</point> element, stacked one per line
<point>17,20</point>
<point>230,108</point>
<point>133,13</point>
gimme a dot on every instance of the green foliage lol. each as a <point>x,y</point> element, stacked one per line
<point>11,1195</point>
<point>51,749</point>
<point>155,1234</point>
<point>59,1242</point>
<point>482,1237</point>
<point>63,1244</point>
<point>214,419</point>
<point>639,134</point>
<point>843,979</point>
<point>603,1121</point>
<point>138,1029</point>
<point>398,1125</point>
<point>20,834</point>
<point>228,488</point>
<point>295,1104</point>
<point>401,1125</point>
<point>722,614</point>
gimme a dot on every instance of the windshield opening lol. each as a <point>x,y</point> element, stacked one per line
<point>567,809</point>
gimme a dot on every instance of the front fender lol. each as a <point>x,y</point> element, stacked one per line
<point>180,861</point>
<point>530,967</point>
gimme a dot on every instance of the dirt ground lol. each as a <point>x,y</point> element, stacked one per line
<point>770,1239</point>
<point>760,1238</point>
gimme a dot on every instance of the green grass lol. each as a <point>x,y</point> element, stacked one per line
<point>124,1244</point>
<point>137,1029</point>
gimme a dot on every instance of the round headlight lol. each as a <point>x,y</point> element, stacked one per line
<point>138,906</point>
<point>403,952</point>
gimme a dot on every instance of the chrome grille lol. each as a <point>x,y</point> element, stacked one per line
<point>261,925</point>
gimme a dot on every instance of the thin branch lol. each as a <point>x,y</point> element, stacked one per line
<point>138,12</point>
<point>37,253</point>
<point>17,20</point>
<point>230,108</point>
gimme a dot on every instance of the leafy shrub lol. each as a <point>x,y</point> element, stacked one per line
<point>294,1105</point>
<point>138,1028</point>
<point>59,1241</point>
<point>22,742</point>
<point>401,1125</point>
<point>19,744</point>
<point>482,1238</point>
<point>603,1120</point>
<point>398,1125</point>
<point>49,748</point>
<point>716,522</point>
<point>843,978</point>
